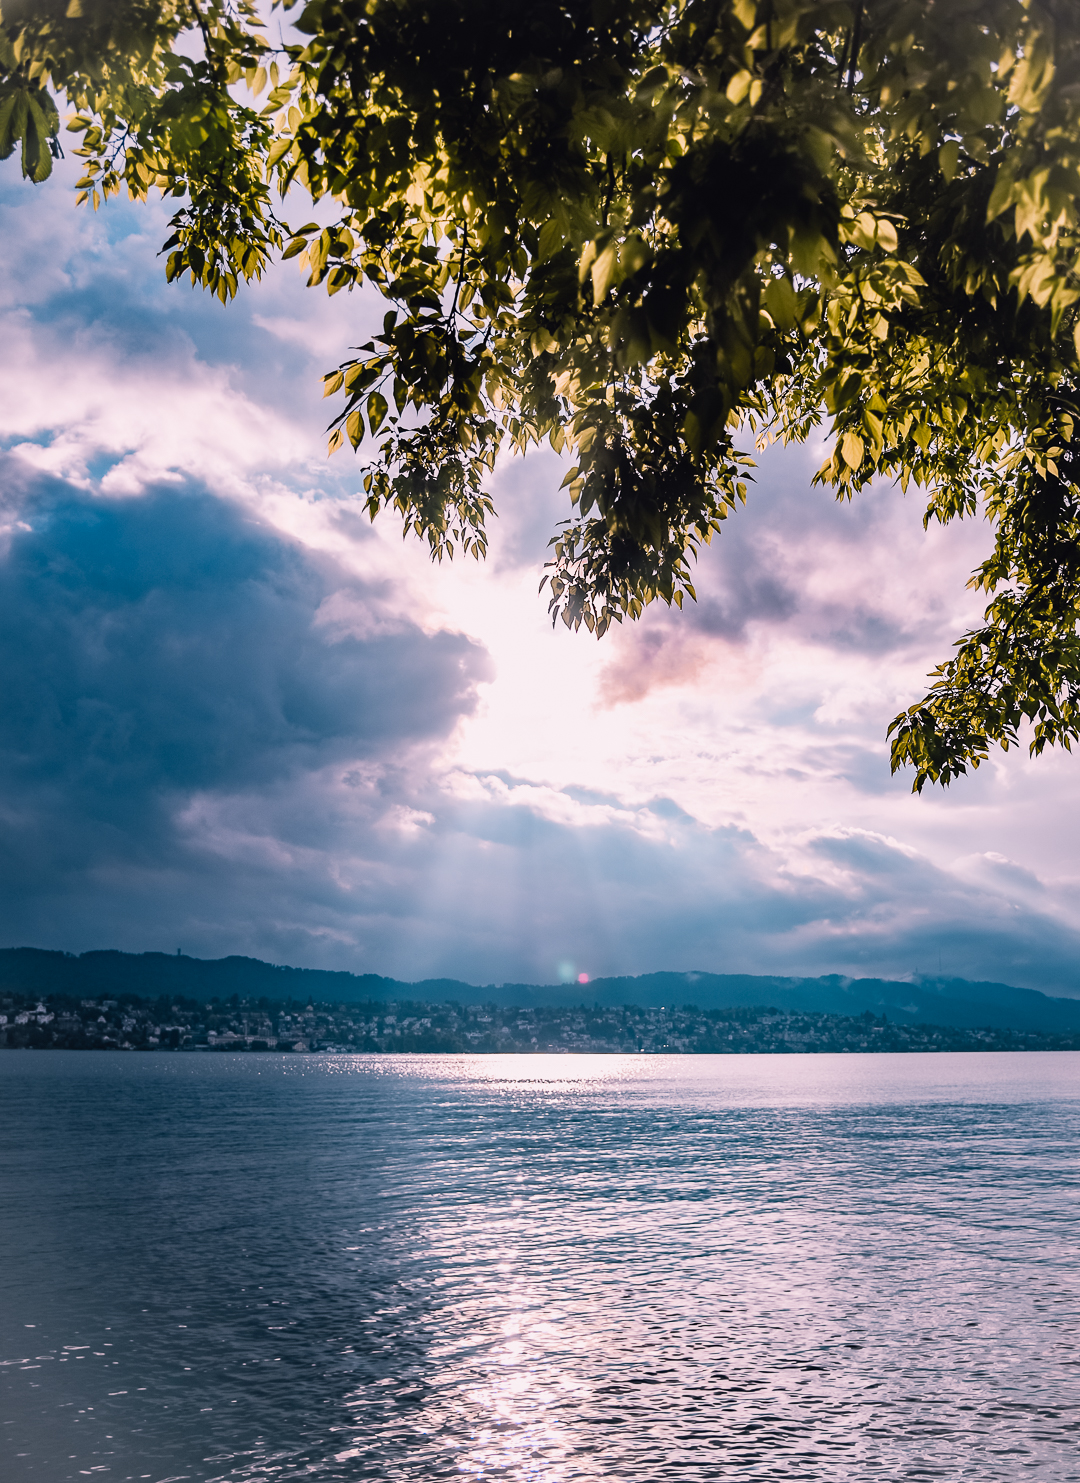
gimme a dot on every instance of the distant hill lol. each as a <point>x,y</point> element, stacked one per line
<point>939,1001</point>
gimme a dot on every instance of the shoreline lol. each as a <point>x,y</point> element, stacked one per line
<point>133,1023</point>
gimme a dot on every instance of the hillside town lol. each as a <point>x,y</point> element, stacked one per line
<point>131,1023</point>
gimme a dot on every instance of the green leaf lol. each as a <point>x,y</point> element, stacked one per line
<point>8,137</point>
<point>551,239</point>
<point>739,86</point>
<point>1002,196</point>
<point>781,302</point>
<point>949,158</point>
<point>886,235</point>
<point>277,151</point>
<point>605,271</point>
<point>377,409</point>
<point>851,446</point>
<point>863,231</point>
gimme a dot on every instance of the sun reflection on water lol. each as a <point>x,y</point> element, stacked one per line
<point>511,1402</point>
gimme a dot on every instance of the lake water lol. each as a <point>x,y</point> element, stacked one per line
<point>252,1267</point>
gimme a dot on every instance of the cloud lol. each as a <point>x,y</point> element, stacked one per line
<point>797,576</point>
<point>169,649</point>
<point>239,717</point>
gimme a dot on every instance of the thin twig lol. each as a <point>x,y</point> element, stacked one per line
<point>856,41</point>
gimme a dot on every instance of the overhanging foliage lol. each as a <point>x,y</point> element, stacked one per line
<point>642,232</point>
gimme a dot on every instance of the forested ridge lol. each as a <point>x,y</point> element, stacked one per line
<point>37,975</point>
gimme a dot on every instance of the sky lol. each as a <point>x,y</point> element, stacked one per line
<point>238,718</point>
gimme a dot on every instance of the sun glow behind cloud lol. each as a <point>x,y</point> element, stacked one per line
<point>244,719</point>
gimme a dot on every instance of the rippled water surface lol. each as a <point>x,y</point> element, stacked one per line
<point>543,1268</point>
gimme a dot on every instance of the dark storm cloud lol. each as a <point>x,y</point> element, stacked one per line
<point>900,913</point>
<point>748,597</point>
<point>165,647</point>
